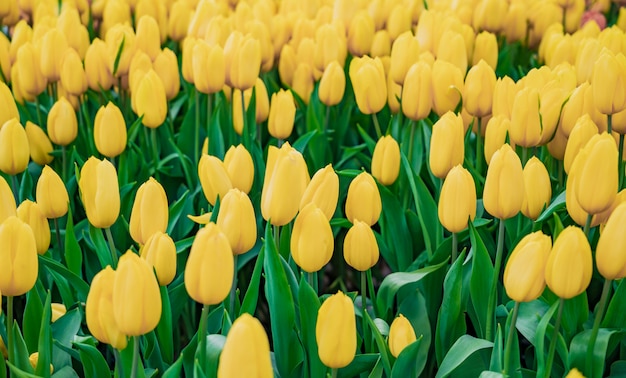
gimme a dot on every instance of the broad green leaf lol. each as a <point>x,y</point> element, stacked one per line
<point>213,348</point>
<point>45,341</point>
<point>614,317</point>
<point>394,227</point>
<point>414,309</point>
<point>463,348</point>
<point>175,370</point>
<point>580,347</point>
<point>251,298</point>
<point>102,249</point>
<point>164,328</point>
<point>361,363</point>
<point>557,204</point>
<point>528,318</point>
<point>481,279</point>
<point>33,313</point>
<point>73,253</point>
<point>63,332</point>
<point>93,362</point>
<point>309,306</point>
<point>409,361</point>
<point>82,289</point>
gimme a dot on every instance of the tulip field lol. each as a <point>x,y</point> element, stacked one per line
<point>319,188</point>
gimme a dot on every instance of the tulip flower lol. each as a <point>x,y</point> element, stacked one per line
<point>7,200</point>
<point>569,266</point>
<point>332,85</point>
<point>524,272</point>
<point>51,194</point>
<point>478,91</point>
<point>57,311</point>
<point>178,21</point>
<point>381,44</point>
<point>240,167</point>
<point>110,131</point>
<point>150,100</point>
<point>609,257</point>
<point>447,144</point>
<point>99,310</point>
<point>386,160</point>
<point>323,191</point>
<point>62,123</point>
<point>39,144</point>
<point>243,61</point>
<point>401,335</point>
<point>73,76</point>
<point>149,213</point>
<point>303,81</point>
<point>360,33</point>
<point>18,257</point>
<point>312,240</point>
<point>485,48</point>
<point>208,67</point>
<point>447,86</point>
<point>526,126</point>
<point>246,341</point>
<point>360,249</point>
<point>495,135</point>
<point>504,185</point>
<point>369,84</point>
<point>166,66</point>
<point>160,252</point>
<point>31,79</point>
<point>96,69</point>
<point>148,36</point>
<point>210,267</point>
<point>330,46</point>
<point>583,130</point>
<point>453,50</point>
<point>30,213</point>
<point>537,188</point>
<point>457,201</point>
<point>214,178</point>
<point>608,82</point>
<point>100,192</point>
<point>282,114</point>
<point>33,359</point>
<point>416,92</point>
<point>237,221</point>
<point>363,200</point>
<point>504,93</point>
<point>404,54</point>
<point>14,149</point>
<point>7,103</point>
<point>136,300</point>
<point>335,331</point>
<point>53,47</point>
<point>286,178</point>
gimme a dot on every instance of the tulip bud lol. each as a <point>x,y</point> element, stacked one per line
<point>246,340</point>
<point>452,49</point>
<point>335,331</point>
<point>120,47</point>
<point>73,76</point>
<point>369,84</point>
<point>243,61</point>
<point>332,85</point>
<point>100,192</point>
<point>583,131</point>
<point>287,64</point>
<point>240,167</point>
<point>537,187</point>
<point>148,36</point>
<point>360,249</point>
<point>504,185</point>
<point>18,257</point>
<point>485,48</point>
<point>237,221</point>
<point>457,201</point>
<point>569,266</point>
<point>609,252</point>
<point>208,65</point>
<point>53,47</point>
<point>608,82</point>
<point>404,54</point>
<point>160,252</point>
<point>110,131</point>
<point>575,373</point>
<point>286,178</point>
<point>5,57</point>
<point>303,81</point>
<point>51,194</point>
<point>7,104</point>
<point>214,178</point>
<point>323,191</point>
<point>526,125</point>
<point>360,33</point>
<point>180,15</point>
<point>401,335</point>
<point>96,67</point>
<point>7,201</point>
<point>524,272</point>
<point>282,114</point>
<point>363,200</point>
<point>136,297</point>
<point>447,144</point>
<point>478,93</point>
<point>417,93</point>
<point>149,213</point>
<point>330,46</point>
<point>33,359</point>
<point>447,84</point>
<point>166,66</point>
<point>386,160</point>
<point>57,311</point>
<point>596,179</point>
<point>495,135</point>
<point>210,267</point>
<point>29,213</point>
<point>62,123</point>
<point>14,150</point>
<point>150,100</point>
<point>39,144</point>
<point>312,240</point>
<point>504,93</point>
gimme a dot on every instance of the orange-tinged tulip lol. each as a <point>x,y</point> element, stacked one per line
<point>100,192</point>
<point>99,310</point>
<point>214,178</point>
<point>160,252</point>
<point>39,144</point>
<point>62,123</point>
<point>237,221</point>
<point>240,167</point>
<point>29,213</point>
<point>570,265</point>
<point>14,149</point>
<point>447,144</point>
<point>323,191</point>
<point>335,331</point>
<point>524,274</point>
<point>363,200</point>
<point>457,201</point>
<point>386,160</point>
<point>504,185</point>
<point>18,257</point>
<point>312,240</point>
<point>150,212</point>
<point>401,335</point>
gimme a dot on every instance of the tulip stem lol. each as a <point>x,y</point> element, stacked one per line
<point>64,163</point>
<point>38,106</point>
<point>588,225</point>
<point>491,309</point>
<point>243,114</point>
<point>312,279</point>
<point>58,235</point>
<point>119,366</point>
<point>479,147</point>
<point>233,289</point>
<point>333,373</point>
<point>209,111</point>
<point>107,231</point>
<point>609,123</point>
<point>196,141</point>
<point>10,326</point>
<point>455,246</point>
<point>16,189</point>
<point>133,372</point>
<point>366,337</point>
<point>326,118</point>
<point>596,325</point>
<point>410,158</point>
<point>509,340</point>
<point>620,163</point>
<point>555,334</point>
<point>155,151</point>
<point>202,331</point>
<point>379,134</point>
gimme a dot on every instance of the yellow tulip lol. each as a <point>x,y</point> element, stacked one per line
<point>404,54</point>
<point>178,21</point>
<point>150,100</point>
<point>369,84</point>
<point>7,201</point>
<point>575,373</point>
<point>452,48</point>
<point>110,131</point>
<point>312,240</point>
<point>447,86</point>
<point>282,114</point>
<point>243,61</point>
<point>360,249</point>
<point>160,252</point>
<point>96,67</point>
<point>51,194</point>
<point>113,39</point>
<point>457,201</point>
<point>166,66</point>
<point>240,167</point>
<point>569,266</point>
<point>386,160</point>
<point>14,149</point>
<point>495,135</point>
<point>73,76</point>
<point>447,144</point>
<point>100,192</point>
<point>237,221</point>
<point>330,46</point>
<point>381,44</point>
<point>99,310</point>
<point>136,297</point>
<point>30,213</point>
<point>401,335</point>
<point>478,93</point>
<point>504,185</point>
<point>335,331</point>
<point>489,15</point>
<point>62,123</point>
<point>360,33</point>
<point>363,200</point>
<point>524,274</point>
<point>7,104</point>
<point>537,187</point>
<point>18,257</point>
<point>332,85</point>
<point>303,81</point>
<point>583,130</point>
<point>148,36</point>
<point>526,127</point>
<point>214,178</point>
<point>39,144</point>
<point>609,82</point>
<point>209,67</point>
<point>53,47</point>
<point>150,211</point>
<point>504,93</point>
<point>485,48</point>
<point>323,191</point>
<point>33,359</point>
<point>210,267</point>
<point>417,99</point>
<point>57,311</point>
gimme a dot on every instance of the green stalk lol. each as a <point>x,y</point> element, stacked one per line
<point>64,163</point>
<point>58,234</point>
<point>111,242</point>
<point>609,123</point>
<point>16,188</point>
<point>155,152</point>
<point>326,118</point>
<point>233,289</point>
<point>379,134</point>
<point>509,341</point>
<point>524,156</point>
<point>479,147</point>
<point>243,114</point>
<point>38,105</point>
<point>588,225</point>
<point>203,328</point>
<point>455,246</point>
<point>555,334</point>
<point>119,366</point>
<point>333,373</point>
<point>366,337</point>
<point>596,325</point>
<point>312,280</point>
<point>491,304</point>
<point>133,373</point>
<point>409,158</point>
<point>10,327</point>
<point>209,110</point>
<point>620,163</point>
<point>196,142</point>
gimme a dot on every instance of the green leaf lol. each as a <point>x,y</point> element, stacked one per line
<point>33,313</point>
<point>93,362</point>
<point>580,346</point>
<point>491,374</point>
<point>464,347</point>
<point>20,373</point>
<point>301,143</point>
<point>251,298</point>
<point>63,332</point>
<point>118,55</point>
<point>175,370</point>
<point>20,351</point>
<point>394,227</point>
<point>100,244</point>
<point>497,353</point>
<point>414,309</point>
<point>408,362</point>
<point>540,339</point>
<point>481,279</point>
<point>164,328</point>
<point>82,289</point>
<point>309,305</point>
<point>614,317</point>
<point>213,348</point>
<point>73,253</point>
<point>45,341</point>
<point>557,204</point>
<point>380,343</point>
<point>361,363</point>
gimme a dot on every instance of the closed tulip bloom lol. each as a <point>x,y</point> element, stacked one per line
<point>7,200</point>
<point>73,76</point>
<point>495,135</point>
<point>360,33</point>
<point>330,46</point>
<point>7,104</point>
<point>244,62</point>
<point>447,86</point>
<point>29,213</point>
<point>597,178</point>
<point>457,201</point>
<point>526,126</point>
<point>369,84</point>
<point>166,66</point>
<point>381,44</point>
<point>100,192</point>
<point>485,48</point>
<point>303,81</point>
<point>240,168</point>
<point>416,93</point>
<point>18,257</point>
<point>39,144</point>
<point>537,187</point>
<point>323,191</point>
<point>386,160</point>
<point>246,341</point>
<point>504,185</point>
<point>401,335</point>
<point>312,240</point>
<point>363,200</point>
<point>110,131</point>
<point>335,331</point>
<point>583,131</point>
<point>237,221</point>
<point>180,14</point>
<point>14,149</point>
<point>96,67</point>
<point>574,209</point>
<point>210,267</point>
<point>57,311</point>
<point>286,178</point>
<point>114,37</point>
<point>151,101</point>
<point>452,49</point>
<point>282,114</point>
<point>53,47</point>
<point>332,85</point>
<point>404,54</point>
<point>148,36</point>
<point>136,297</point>
<point>608,82</point>
<point>214,178</point>
<point>149,213</point>
<point>5,56</point>
<point>208,66</point>
<point>360,249</point>
<point>504,93</point>
<point>570,265</point>
<point>160,252</point>
<point>51,194</point>
<point>99,310</point>
<point>524,274</point>
<point>610,258</point>
<point>62,123</point>
<point>447,144</point>
<point>478,93</point>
